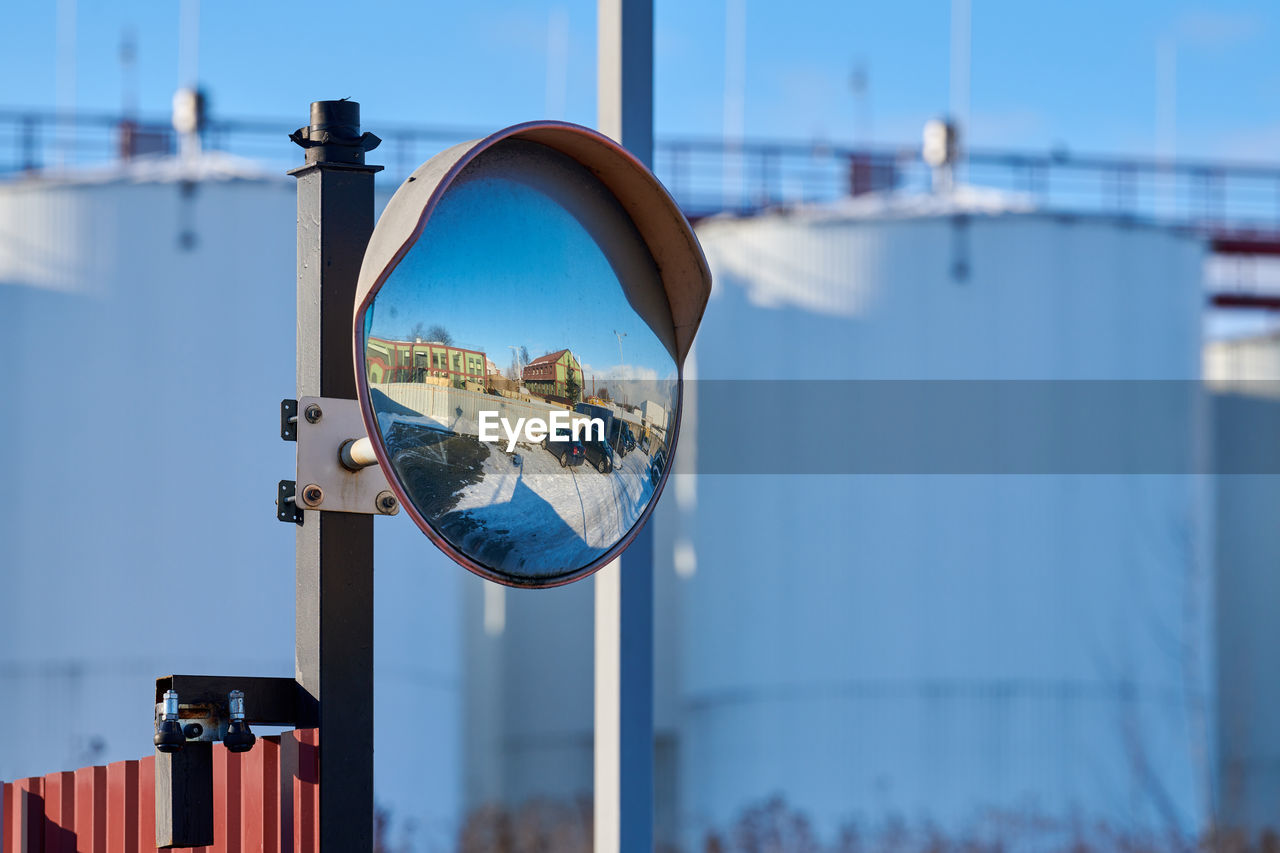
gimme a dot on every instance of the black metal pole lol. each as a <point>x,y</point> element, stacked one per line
<point>334,628</point>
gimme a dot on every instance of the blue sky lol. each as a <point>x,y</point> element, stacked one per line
<point>1081,74</point>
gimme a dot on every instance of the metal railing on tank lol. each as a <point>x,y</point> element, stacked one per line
<point>708,176</point>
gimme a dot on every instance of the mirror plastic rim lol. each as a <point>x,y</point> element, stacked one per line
<point>668,236</point>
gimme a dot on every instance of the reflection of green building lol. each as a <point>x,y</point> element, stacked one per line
<point>552,374</point>
<point>419,361</point>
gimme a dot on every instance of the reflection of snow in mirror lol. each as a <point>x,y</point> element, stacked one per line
<point>522,503</point>
<point>517,506</point>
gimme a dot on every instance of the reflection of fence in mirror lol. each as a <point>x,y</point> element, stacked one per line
<point>539,261</point>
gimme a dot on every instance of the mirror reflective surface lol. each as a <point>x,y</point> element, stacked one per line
<point>520,365</point>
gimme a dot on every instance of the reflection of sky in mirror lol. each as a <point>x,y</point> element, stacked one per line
<point>501,264</point>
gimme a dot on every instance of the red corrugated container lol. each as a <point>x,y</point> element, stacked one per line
<point>257,807</point>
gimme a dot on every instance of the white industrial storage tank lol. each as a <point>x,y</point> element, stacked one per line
<point>944,647</point>
<point>149,337</point>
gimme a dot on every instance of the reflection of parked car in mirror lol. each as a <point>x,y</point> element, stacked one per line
<point>628,438</point>
<point>599,454</point>
<point>616,439</point>
<point>561,445</point>
<point>656,464</point>
<point>644,440</point>
<point>614,428</point>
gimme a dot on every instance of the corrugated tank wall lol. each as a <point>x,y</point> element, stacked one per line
<point>945,649</point>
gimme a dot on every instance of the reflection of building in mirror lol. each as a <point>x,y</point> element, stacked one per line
<point>554,376</point>
<point>430,362</point>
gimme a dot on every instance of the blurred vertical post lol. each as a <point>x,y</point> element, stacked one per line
<point>334,629</point>
<point>624,589</point>
<point>1166,125</point>
<point>735,104</point>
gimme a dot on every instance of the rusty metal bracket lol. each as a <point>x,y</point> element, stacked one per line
<point>324,424</point>
<point>201,722</point>
<point>268,701</point>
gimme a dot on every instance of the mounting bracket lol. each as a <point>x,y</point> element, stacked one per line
<point>287,508</point>
<point>323,426</point>
<point>184,790</point>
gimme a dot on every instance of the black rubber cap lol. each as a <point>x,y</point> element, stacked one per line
<point>169,737</point>
<point>238,737</point>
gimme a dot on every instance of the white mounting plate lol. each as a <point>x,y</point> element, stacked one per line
<point>319,463</point>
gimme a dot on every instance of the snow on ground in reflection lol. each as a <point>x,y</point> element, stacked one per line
<point>526,499</point>
<point>525,514</point>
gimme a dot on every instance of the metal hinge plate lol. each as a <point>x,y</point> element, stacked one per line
<point>289,420</point>
<point>323,425</point>
<point>286,506</point>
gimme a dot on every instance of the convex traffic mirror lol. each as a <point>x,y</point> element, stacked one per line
<point>523,314</point>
